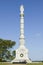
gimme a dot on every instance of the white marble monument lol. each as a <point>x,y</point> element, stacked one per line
<point>22,52</point>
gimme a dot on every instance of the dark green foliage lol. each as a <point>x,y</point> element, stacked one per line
<point>14,53</point>
<point>5,45</point>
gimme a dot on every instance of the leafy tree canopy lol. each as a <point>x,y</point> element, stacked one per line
<point>5,45</point>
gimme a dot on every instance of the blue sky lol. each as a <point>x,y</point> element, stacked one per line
<point>10,24</point>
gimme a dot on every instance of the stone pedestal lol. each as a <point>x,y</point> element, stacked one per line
<point>22,55</point>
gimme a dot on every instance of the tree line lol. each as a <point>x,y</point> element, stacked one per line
<point>5,53</point>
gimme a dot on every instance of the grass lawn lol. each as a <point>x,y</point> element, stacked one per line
<point>5,63</point>
<point>35,64</point>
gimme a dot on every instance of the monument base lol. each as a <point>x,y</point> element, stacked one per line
<point>21,55</point>
<point>21,61</point>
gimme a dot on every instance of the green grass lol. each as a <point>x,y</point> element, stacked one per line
<point>5,63</point>
<point>35,64</point>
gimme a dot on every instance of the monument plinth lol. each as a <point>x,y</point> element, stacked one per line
<point>22,52</point>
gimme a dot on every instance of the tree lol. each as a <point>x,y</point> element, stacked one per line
<point>14,53</point>
<point>5,45</point>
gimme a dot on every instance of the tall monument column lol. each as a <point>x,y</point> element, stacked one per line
<point>22,51</point>
<point>22,39</point>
